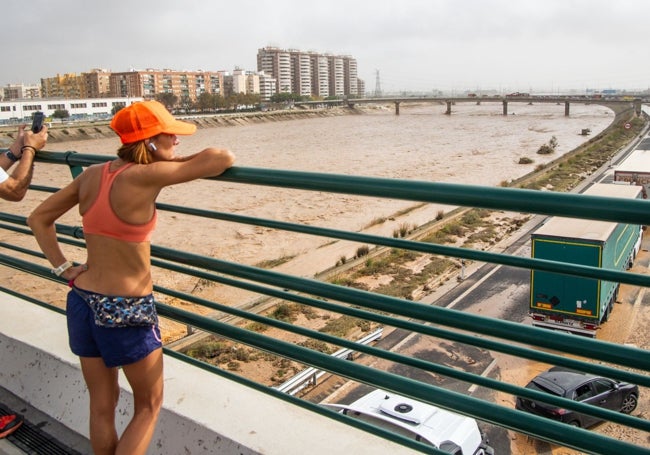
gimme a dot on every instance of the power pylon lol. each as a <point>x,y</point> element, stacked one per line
<point>377,85</point>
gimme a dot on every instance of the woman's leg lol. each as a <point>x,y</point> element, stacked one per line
<point>104,393</point>
<point>146,379</point>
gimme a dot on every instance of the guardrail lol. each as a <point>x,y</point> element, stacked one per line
<point>621,362</point>
<point>310,375</point>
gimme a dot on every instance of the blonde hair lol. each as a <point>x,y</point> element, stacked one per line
<point>135,152</point>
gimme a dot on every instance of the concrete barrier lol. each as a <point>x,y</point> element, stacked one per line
<point>202,412</point>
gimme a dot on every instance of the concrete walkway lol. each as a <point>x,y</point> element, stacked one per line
<point>39,433</point>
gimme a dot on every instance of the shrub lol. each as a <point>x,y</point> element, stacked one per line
<point>525,160</point>
<point>257,327</point>
<point>404,229</point>
<point>362,251</point>
<point>284,312</point>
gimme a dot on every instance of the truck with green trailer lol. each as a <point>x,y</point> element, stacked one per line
<point>576,304</point>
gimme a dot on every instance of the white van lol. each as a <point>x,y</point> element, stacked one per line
<point>445,430</point>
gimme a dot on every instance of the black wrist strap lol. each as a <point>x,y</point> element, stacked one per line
<point>9,154</point>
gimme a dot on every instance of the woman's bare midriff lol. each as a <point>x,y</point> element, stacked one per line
<point>116,267</point>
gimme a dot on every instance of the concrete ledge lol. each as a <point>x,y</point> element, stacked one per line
<point>202,413</point>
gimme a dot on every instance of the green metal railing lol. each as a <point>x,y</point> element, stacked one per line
<point>621,362</point>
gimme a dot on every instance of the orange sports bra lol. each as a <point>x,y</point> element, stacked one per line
<point>100,219</point>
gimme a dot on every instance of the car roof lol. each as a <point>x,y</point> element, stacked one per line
<point>436,425</point>
<point>560,380</point>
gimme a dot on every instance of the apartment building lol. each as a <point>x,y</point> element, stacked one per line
<point>97,83</point>
<point>69,85</point>
<point>267,86</point>
<point>320,76</point>
<point>310,73</point>
<point>276,63</point>
<point>301,73</point>
<point>19,91</point>
<point>186,85</point>
<point>238,81</point>
<point>350,83</point>
<point>93,84</point>
<point>336,75</point>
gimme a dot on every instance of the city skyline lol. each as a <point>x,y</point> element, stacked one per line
<point>414,45</point>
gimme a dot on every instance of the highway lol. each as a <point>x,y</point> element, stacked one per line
<point>501,292</point>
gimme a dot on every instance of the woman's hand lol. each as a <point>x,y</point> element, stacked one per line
<point>73,272</point>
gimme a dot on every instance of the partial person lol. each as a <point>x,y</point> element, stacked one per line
<point>110,309</point>
<point>21,153</point>
<point>13,188</point>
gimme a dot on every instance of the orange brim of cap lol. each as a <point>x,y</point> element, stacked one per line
<point>179,127</point>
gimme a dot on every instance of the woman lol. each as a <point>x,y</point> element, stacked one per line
<point>110,312</point>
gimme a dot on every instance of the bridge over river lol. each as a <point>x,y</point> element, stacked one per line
<point>504,100</point>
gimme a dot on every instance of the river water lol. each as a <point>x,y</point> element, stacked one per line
<point>475,145</point>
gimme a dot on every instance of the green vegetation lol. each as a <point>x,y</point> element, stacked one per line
<point>61,114</point>
<point>271,263</point>
<point>362,251</point>
<point>474,225</point>
<point>569,172</point>
<point>403,230</point>
<point>344,325</point>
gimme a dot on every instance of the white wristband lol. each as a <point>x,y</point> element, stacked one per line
<point>62,268</point>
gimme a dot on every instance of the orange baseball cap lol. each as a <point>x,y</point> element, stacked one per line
<point>145,119</point>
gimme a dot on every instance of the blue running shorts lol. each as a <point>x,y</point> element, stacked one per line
<point>116,345</point>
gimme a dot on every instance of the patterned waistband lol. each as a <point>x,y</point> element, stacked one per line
<point>87,295</point>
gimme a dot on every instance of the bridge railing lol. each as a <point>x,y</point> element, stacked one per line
<point>616,361</point>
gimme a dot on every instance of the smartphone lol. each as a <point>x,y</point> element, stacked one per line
<point>37,122</point>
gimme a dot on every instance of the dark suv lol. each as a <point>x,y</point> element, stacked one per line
<point>583,387</point>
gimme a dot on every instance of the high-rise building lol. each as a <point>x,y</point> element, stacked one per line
<point>320,76</point>
<point>300,73</point>
<point>276,63</point>
<point>350,79</point>
<point>309,73</point>
<point>336,75</point>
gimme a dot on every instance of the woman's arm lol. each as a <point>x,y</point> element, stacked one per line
<point>207,163</point>
<point>42,219</point>
<point>16,185</point>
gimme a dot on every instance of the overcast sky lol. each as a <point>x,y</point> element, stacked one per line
<point>414,45</point>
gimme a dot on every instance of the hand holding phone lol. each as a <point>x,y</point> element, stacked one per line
<point>37,122</point>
